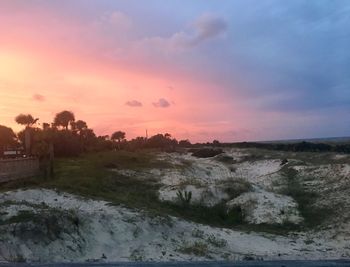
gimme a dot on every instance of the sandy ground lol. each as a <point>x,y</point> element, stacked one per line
<point>207,179</point>
<point>113,233</point>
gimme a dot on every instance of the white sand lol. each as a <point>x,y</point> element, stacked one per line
<point>122,234</point>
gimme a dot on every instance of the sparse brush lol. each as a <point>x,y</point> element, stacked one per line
<point>236,187</point>
<point>197,248</point>
<point>217,242</point>
<point>198,233</point>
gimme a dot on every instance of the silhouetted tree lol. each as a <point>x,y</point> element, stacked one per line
<point>162,141</point>
<point>26,119</point>
<point>46,125</point>
<point>216,142</point>
<point>185,143</point>
<point>103,143</point>
<point>88,139</point>
<point>66,143</point>
<point>118,135</point>
<point>29,121</point>
<point>64,118</point>
<point>80,125</point>
<point>137,143</point>
<point>7,137</point>
<point>104,137</point>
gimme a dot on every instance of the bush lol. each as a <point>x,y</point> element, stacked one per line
<point>206,152</point>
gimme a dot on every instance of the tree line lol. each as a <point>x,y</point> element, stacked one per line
<point>302,146</point>
<point>71,137</point>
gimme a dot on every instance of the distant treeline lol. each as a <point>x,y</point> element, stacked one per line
<point>66,136</point>
<point>295,147</point>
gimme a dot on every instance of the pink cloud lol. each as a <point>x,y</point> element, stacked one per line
<point>38,97</point>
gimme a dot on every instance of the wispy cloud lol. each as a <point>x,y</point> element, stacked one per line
<point>133,103</point>
<point>204,28</point>
<point>208,26</point>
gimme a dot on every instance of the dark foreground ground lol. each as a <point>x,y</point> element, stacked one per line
<point>336,263</point>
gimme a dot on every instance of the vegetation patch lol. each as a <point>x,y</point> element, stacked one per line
<point>198,233</point>
<point>226,159</point>
<point>216,215</point>
<point>46,224</point>
<point>313,215</point>
<point>137,255</point>
<point>22,216</point>
<point>216,241</point>
<point>206,152</point>
<point>184,197</point>
<point>197,248</point>
<point>236,187</point>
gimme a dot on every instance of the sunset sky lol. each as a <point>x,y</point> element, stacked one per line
<point>202,70</point>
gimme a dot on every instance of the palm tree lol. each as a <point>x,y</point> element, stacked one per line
<point>26,119</point>
<point>80,125</point>
<point>118,135</point>
<point>64,118</point>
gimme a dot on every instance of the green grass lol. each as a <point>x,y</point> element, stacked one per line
<point>307,200</point>
<point>90,176</point>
